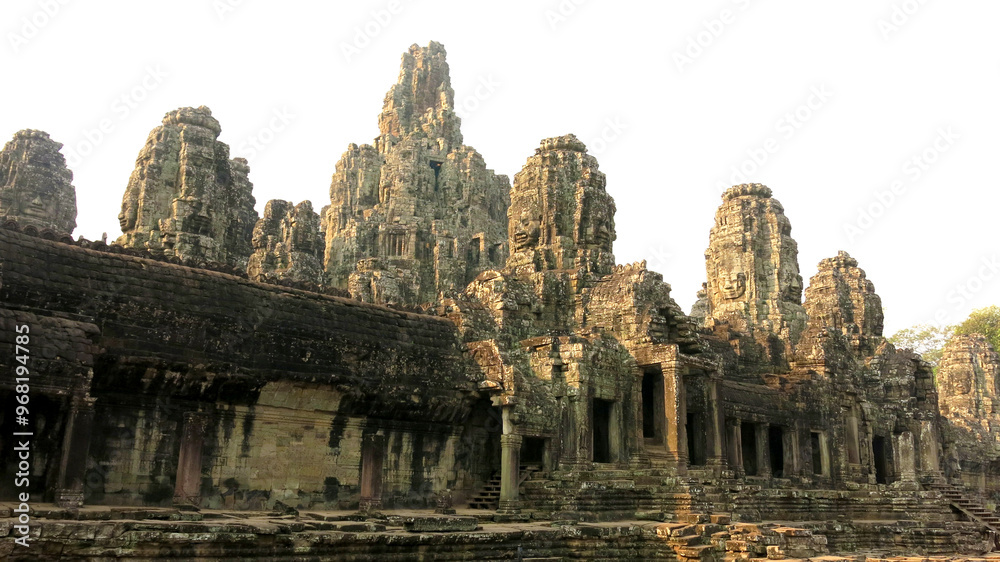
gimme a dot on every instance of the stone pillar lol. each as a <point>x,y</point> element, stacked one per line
<point>735,446</point>
<point>675,409</point>
<point>869,452</point>
<point>372,457</point>
<point>929,454</point>
<point>853,446</point>
<point>571,442</point>
<point>510,466</point>
<point>763,450</point>
<point>187,488</point>
<point>633,423</point>
<point>75,447</point>
<point>713,426</point>
<point>905,452</point>
<point>792,460</point>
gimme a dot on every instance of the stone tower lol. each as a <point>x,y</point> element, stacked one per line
<point>418,214</point>
<point>186,198</point>
<point>968,385</point>
<point>968,380</point>
<point>752,266</point>
<point>288,244</point>
<point>35,184</point>
<point>561,216</point>
<point>842,300</point>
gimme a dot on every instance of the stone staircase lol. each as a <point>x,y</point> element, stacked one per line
<point>489,496</point>
<point>969,507</point>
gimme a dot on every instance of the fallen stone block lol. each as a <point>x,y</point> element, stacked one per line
<point>440,524</point>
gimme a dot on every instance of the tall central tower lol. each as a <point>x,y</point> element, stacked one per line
<point>418,214</point>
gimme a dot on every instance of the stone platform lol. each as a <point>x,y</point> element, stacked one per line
<point>135,533</point>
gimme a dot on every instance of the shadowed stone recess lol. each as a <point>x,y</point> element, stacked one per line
<point>35,184</point>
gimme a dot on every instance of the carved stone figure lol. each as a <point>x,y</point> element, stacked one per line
<point>753,273</point>
<point>287,244</point>
<point>35,184</point>
<point>186,198</point>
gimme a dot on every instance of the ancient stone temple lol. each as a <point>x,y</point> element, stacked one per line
<point>186,198</point>
<point>545,403</point>
<point>288,244</point>
<point>418,214</point>
<point>35,186</point>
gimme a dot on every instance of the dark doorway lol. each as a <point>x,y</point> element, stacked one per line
<point>879,450</point>
<point>602,430</point>
<point>696,438</point>
<point>776,447</point>
<point>816,445</point>
<point>652,403</point>
<point>533,451</point>
<point>436,166</point>
<point>748,436</point>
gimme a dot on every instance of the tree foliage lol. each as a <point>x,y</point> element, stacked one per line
<point>925,339</point>
<point>985,321</point>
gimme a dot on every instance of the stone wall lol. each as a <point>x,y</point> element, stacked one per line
<point>178,342</point>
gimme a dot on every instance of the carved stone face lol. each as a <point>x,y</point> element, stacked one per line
<point>40,207</point>
<point>597,232</point>
<point>301,239</point>
<point>127,218</point>
<point>791,286</point>
<point>733,284</point>
<point>527,232</point>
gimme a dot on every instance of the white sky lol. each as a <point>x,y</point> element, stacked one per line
<point>675,128</point>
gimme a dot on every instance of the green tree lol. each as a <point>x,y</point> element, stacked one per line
<point>925,339</point>
<point>985,321</point>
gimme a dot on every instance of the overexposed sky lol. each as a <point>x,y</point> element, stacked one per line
<point>874,122</point>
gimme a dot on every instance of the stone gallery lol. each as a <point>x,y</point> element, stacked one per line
<point>442,363</point>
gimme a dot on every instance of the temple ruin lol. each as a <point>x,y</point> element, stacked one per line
<point>444,363</point>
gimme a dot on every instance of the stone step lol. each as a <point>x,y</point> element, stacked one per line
<point>686,540</point>
<point>697,552</point>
